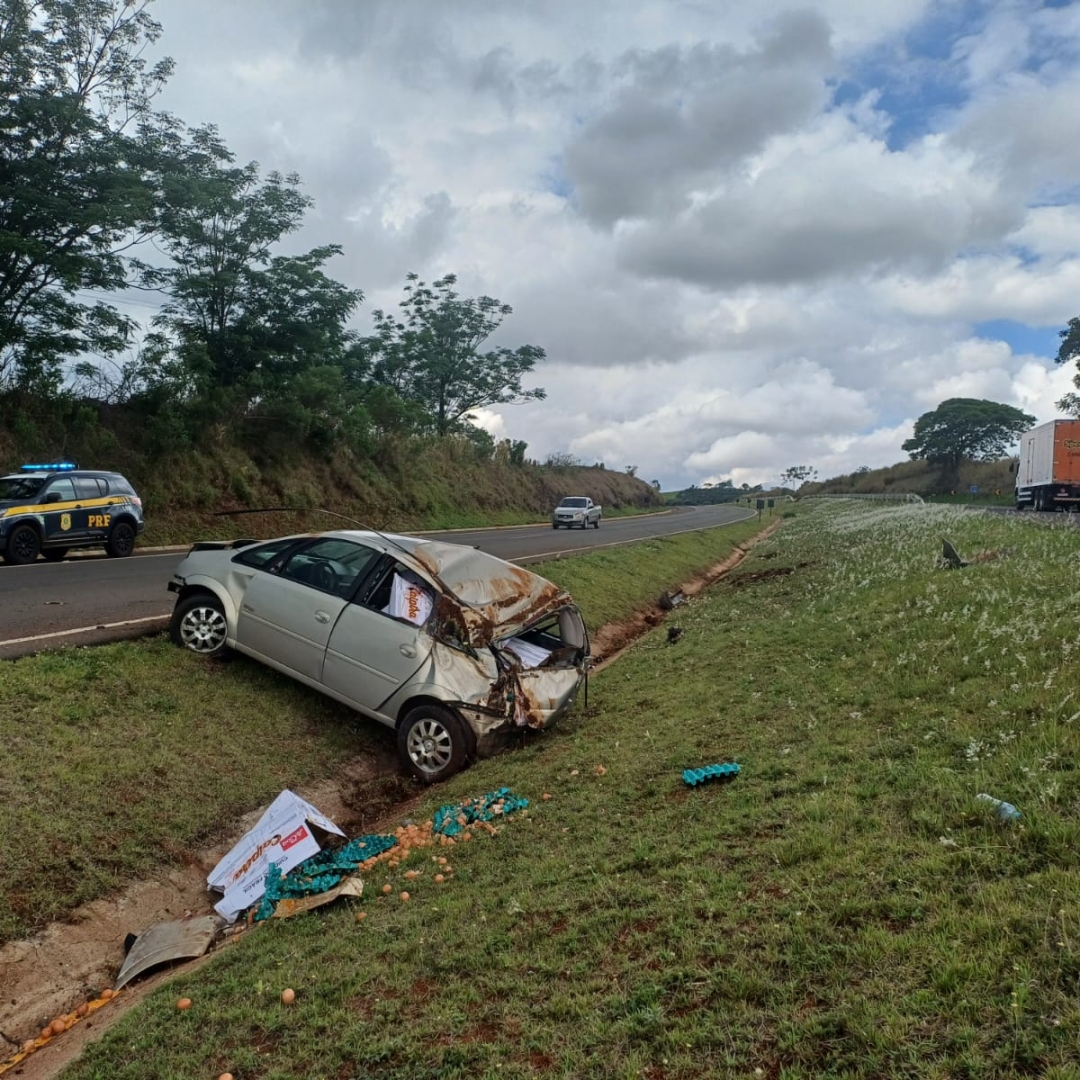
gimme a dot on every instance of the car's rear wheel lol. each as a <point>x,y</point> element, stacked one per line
<point>432,743</point>
<point>23,546</point>
<point>199,625</point>
<point>121,542</point>
<point>54,554</point>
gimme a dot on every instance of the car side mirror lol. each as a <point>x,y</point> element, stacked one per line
<point>53,496</point>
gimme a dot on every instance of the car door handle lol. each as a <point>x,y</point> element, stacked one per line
<point>322,616</point>
<point>407,650</point>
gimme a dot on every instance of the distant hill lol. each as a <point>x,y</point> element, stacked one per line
<point>921,478</point>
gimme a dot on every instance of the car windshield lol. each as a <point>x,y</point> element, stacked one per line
<point>573,502</point>
<point>20,487</point>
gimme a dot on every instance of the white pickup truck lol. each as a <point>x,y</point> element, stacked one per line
<point>576,511</point>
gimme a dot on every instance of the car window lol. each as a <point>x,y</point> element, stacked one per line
<point>89,487</point>
<point>64,488</point>
<point>119,486</point>
<point>399,593</point>
<point>19,487</point>
<point>331,565</point>
<point>265,554</point>
<point>574,502</point>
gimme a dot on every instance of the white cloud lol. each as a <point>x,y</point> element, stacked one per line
<point>730,272</point>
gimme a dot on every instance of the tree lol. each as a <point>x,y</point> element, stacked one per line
<point>966,428</point>
<point>799,474</point>
<point>75,130</point>
<point>245,323</point>
<point>430,353</point>
<point>1069,352</point>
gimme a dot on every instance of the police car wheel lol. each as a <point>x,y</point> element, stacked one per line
<point>54,554</point>
<point>121,542</point>
<point>432,743</point>
<point>23,546</point>
<point>198,623</point>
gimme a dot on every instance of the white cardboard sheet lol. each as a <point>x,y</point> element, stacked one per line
<point>281,837</point>
<point>409,600</point>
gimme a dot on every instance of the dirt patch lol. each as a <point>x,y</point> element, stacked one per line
<point>68,963</point>
<point>613,640</point>
<point>742,580</point>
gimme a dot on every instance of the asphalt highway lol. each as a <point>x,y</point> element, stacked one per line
<point>90,598</point>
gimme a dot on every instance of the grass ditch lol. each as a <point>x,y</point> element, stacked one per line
<point>844,908</point>
<point>120,758</point>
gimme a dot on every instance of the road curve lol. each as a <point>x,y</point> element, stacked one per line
<point>90,599</point>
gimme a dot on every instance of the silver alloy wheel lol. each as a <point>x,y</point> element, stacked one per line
<point>203,629</point>
<point>430,745</point>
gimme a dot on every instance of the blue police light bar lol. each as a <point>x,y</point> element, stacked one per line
<point>56,466</point>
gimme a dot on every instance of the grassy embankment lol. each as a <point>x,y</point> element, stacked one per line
<point>845,907</point>
<point>122,757</point>
<point>410,485</point>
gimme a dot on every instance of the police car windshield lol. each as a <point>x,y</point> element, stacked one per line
<point>20,487</point>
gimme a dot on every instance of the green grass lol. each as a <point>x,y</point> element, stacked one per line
<point>121,757</point>
<point>844,908</point>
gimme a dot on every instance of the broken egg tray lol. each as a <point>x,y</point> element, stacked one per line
<point>726,771</point>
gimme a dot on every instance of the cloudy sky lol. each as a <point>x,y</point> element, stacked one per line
<point>747,235</point>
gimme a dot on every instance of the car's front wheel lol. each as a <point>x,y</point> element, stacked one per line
<point>23,546</point>
<point>199,624</point>
<point>432,743</point>
<point>121,542</point>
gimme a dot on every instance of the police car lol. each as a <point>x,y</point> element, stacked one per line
<point>49,509</point>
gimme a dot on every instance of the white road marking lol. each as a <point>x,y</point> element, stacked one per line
<point>83,630</point>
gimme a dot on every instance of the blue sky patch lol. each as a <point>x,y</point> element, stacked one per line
<point>1021,338</point>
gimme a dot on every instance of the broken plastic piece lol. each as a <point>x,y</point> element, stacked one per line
<point>180,939</point>
<point>710,772</point>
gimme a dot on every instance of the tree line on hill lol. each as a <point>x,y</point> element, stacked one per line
<point>108,204</point>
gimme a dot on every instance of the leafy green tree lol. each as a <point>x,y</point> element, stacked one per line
<point>76,128</point>
<point>245,323</point>
<point>969,428</point>
<point>430,353</point>
<point>1069,352</point>
<point>798,474</point>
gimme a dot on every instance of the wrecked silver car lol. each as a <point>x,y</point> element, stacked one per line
<point>450,646</point>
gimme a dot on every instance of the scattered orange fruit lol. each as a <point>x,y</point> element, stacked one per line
<point>439,879</point>
<point>225,1076</point>
<point>288,997</point>
<point>466,836</point>
<point>184,1003</point>
<point>442,861</point>
<point>600,770</point>
<point>107,993</point>
<point>82,1010</point>
<point>46,1032</point>
<point>58,1026</point>
<point>361,916</point>
<point>412,875</point>
<point>546,796</point>
<point>573,772</point>
<point>387,889</point>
